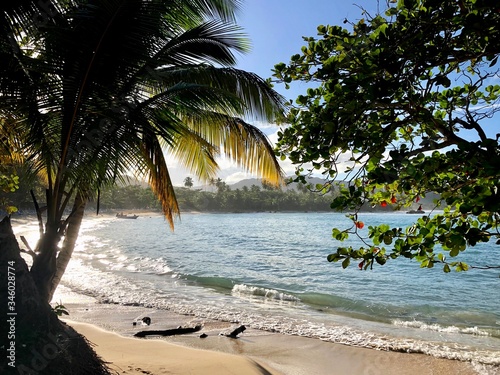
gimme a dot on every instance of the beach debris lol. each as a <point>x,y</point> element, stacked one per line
<point>144,321</point>
<point>168,332</point>
<point>236,332</point>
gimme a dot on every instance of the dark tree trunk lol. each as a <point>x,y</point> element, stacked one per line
<point>70,237</point>
<point>44,265</point>
<point>18,287</point>
<point>36,341</point>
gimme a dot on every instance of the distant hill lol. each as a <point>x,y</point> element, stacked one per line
<point>426,202</point>
<point>131,180</point>
<point>258,182</point>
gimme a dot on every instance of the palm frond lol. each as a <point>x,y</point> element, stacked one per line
<point>195,154</point>
<point>224,9</point>
<point>243,143</point>
<point>159,178</point>
<point>210,42</point>
<point>256,99</point>
<point>192,98</point>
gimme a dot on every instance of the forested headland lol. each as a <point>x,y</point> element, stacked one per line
<point>217,197</point>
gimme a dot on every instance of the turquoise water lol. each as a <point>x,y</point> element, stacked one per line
<point>269,271</point>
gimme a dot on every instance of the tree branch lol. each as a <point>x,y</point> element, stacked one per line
<point>472,125</point>
<point>435,146</point>
<point>484,267</point>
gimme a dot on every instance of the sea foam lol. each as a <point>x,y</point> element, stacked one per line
<point>438,328</point>
<point>242,290</point>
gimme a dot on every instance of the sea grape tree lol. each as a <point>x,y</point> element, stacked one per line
<point>409,97</point>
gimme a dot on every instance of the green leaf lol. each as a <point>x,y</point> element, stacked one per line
<point>461,266</point>
<point>346,262</point>
<point>333,257</point>
<point>387,240</point>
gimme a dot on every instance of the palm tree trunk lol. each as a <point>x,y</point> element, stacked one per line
<point>25,299</point>
<point>72,231</point>
<point>44,264</point>
<point>37,341</point>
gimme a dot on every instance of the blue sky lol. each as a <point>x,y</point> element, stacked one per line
<point>275,29</point>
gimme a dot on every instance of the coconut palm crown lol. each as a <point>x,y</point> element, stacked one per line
<point>98,89</point>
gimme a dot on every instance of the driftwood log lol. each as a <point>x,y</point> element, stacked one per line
<point>236,332</point>
<point>168,332</point>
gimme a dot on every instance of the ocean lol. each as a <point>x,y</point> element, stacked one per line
<point>269,271</point>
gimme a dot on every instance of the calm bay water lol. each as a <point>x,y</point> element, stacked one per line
<point>269,271</point>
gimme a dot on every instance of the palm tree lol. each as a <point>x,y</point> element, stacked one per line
<point>188,182</point>
<point>100,88</point>
<point>93,89</point>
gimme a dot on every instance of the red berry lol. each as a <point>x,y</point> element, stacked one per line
<point>359,224</point>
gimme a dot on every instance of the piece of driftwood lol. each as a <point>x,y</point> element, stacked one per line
<point>236,332</point>
<point>168,332</point>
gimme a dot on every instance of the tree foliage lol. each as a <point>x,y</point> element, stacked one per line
<point>8,184</point>
<point>188,182</point>
<point>9,181</point>
<point>251,199</point>
<point>225,199</point>
<point>406,99</point>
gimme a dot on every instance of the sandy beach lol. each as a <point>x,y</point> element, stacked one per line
<point>133,356</point>
<point>109,327</point>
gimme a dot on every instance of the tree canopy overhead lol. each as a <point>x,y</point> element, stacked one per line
<point>409,98</point>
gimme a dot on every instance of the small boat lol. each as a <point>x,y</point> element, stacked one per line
<point>417,211</point>
<point>125,216</point>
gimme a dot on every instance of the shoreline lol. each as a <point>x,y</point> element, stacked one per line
<point>288,354</point>
<point>133,356</point>
<point>253,352</point>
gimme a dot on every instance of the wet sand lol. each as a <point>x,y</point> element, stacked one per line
<point>253,352</point>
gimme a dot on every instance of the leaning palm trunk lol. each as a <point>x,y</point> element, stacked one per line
<point>74,223</point>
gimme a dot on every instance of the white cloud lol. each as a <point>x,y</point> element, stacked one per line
<point>237,176</point>
<point>231,173</point>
